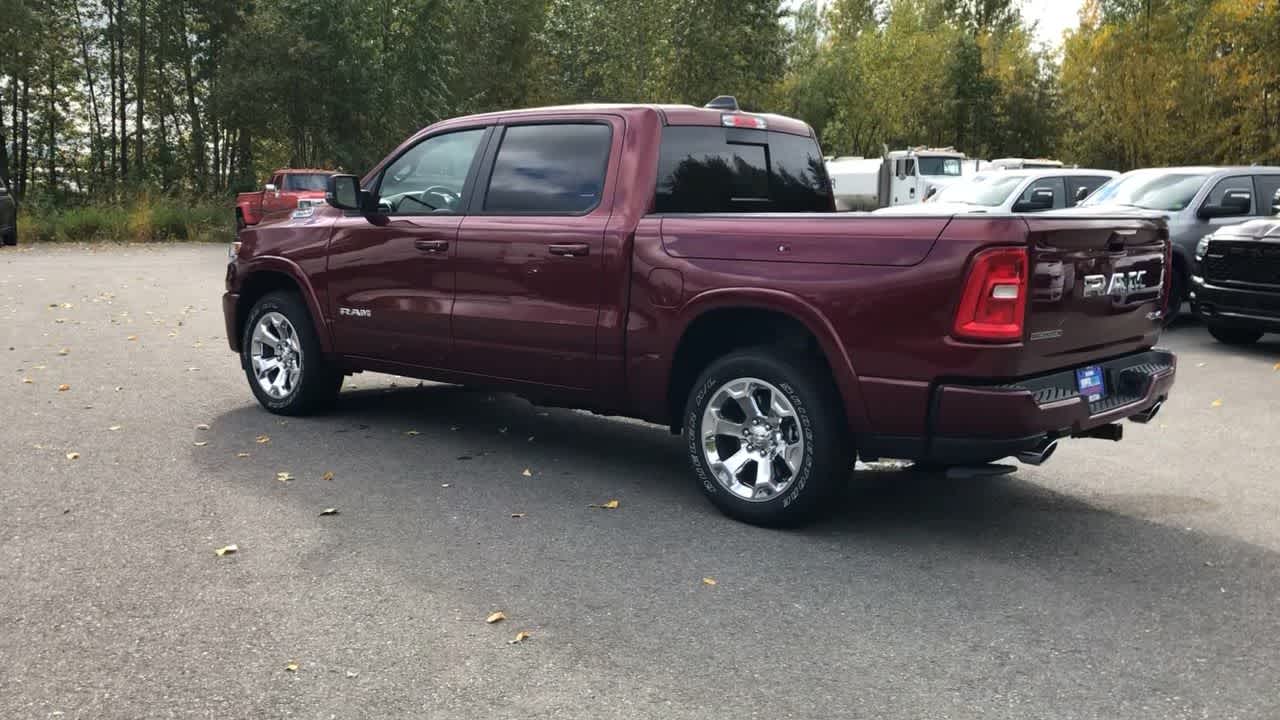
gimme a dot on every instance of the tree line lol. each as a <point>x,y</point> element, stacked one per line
<point>104,99</point>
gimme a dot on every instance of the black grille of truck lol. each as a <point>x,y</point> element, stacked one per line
<point>1257,263</point>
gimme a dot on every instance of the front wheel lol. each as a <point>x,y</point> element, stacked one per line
<point>11,237</point>
<point>1234,336</point>
<point>1177,296</point>
<point>282,359</point>
<point>767,441</point>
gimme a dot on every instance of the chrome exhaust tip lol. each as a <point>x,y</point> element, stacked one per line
<point>1149,414</point>
<point>1039,455</point>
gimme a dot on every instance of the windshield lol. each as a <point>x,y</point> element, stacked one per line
<point>305,183</point>
<point>939,166</point>
<point>988,190</point>
<point>1149,191</point>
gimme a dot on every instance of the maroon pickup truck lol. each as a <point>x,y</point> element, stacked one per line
<point>683,265</point>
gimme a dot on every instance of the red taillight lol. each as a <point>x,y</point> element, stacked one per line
<point>744,121</point>
<point>994,303</point>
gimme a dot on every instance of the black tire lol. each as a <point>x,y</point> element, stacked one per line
<point>11,237</point>
<point>318,382</point>
<point>240,224</point>
<point>1177,296</point>
<point>825,461</point>
<point>1234,336</point>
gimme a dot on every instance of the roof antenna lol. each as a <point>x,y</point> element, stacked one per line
<point>727,103</point>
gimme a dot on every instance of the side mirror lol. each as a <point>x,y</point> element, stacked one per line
<point>344,193</point>
<point>269,187</point>
<point>1041,199</point>
<point>1234,202</point>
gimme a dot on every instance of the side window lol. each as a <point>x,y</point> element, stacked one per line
<point>554,169</point>
<point>278,181</point>
<point>1081,186</point>
<point>1268,194</point>
<point>909,168</point>
<point>430,176</point>
<point>1241,183</point>
<point>1050,183</point>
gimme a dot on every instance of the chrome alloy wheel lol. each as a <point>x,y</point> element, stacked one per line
<point>276,355</point>
<point>752,439</point>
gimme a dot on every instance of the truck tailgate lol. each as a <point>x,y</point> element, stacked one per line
<point>1096,285</point>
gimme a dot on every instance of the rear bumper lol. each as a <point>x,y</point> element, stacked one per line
<point>230,303</point>
<point>970,422</point>
<point>1236,307</point>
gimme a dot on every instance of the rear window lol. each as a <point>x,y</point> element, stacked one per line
<point>725,170</point>
<point>305,183</point>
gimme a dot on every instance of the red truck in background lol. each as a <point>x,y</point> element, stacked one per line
<point>280,195</point>
<point>684,266</point>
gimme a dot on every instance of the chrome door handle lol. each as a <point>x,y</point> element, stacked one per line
<point>569,249</point>
<point>432,246</point>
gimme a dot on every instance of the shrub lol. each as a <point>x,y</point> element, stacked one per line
<point>144,219</point>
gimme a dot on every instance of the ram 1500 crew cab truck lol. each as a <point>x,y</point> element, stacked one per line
<point>684,266</point>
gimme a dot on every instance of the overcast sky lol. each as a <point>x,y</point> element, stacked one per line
<point>1054,16</point>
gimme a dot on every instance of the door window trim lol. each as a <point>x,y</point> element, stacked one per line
<point>468,183</point>
<point>476,206</point>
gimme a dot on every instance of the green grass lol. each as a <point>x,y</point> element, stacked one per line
<point>143,220</point>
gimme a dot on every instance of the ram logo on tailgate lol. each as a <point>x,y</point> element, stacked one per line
<point>1117,284</point>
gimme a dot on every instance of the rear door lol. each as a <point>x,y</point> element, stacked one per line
<point>530,261</point>
<point>1096,285</point>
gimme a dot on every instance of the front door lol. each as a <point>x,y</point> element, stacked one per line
<point>391,273</point>
<point>530,254</point>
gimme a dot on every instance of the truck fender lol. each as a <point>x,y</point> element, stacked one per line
<point>797,308</point>
<point>250,211</point>
<point>277,264</point>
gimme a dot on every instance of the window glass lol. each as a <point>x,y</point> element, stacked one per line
<point>940,166</point>
<point>314,182</point>
<point>1149,190</point>
<point>1085,183</point>
<point>429,178</point>
<point>1268,194</point>
<point>549,169</point>
<point>1240,182</point>
<point>989,190</point>
<point>715,170</point>
<point>1053,184</point>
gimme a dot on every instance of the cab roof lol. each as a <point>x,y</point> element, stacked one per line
<point>670,114</point>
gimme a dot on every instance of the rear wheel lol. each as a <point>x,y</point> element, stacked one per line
<point>1234,336</point>
<point>282,359</point>
<point>1177,296</point>
<point>766,438</point>
<point>11,237</point>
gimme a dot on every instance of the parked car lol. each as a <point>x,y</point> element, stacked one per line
<point>684,266</point>
<point>286,191</point>
<point>1010,191</point>
<point>1237,292</point>
<point>8,215</point>
<point>1195,202</point>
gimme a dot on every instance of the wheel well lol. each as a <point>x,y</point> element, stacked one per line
<point>719,332</point>
<point>255,287</point>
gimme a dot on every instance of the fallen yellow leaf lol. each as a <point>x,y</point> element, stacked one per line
<point>131,338</point>
<point>64,351</point>
<point>1216,403</point>
<point>708,581</point>
<point>1276,367</point>
<point>411,433</point>
<point>526,473</point>
<point>64,387</point>
<point>496,617</point>
<point>328,511</point>
<point>242,454</point>
<point>518,515</point>
<point>114,428</point>
<point>521,637</point>
<point>327,476</point>
<point>202,426</point>
<point>226,550</point>
<point>27,381</point>
<point>284,477</point>
<point>263,439</point>
<point>444,485</point>
<point>201,443</point>
<point>291,667</point>
<point>611,505</point>
<point>73,456</point>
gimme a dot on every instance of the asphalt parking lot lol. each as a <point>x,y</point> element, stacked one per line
<point>1131,580</point>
